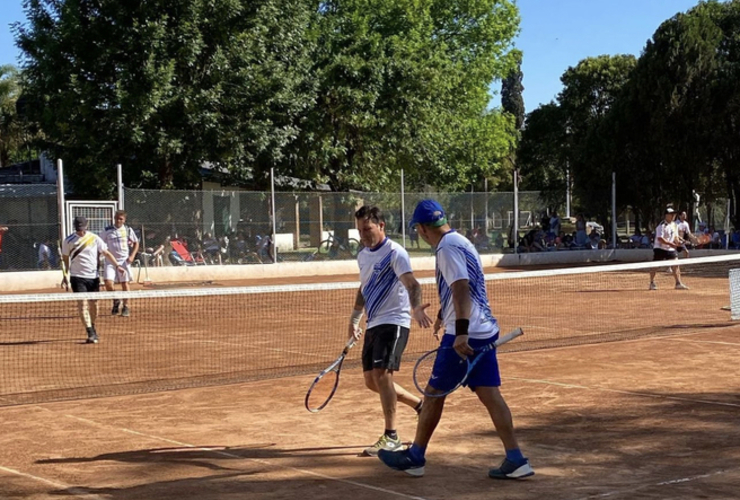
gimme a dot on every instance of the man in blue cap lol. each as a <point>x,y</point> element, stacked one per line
<point>469,324</point>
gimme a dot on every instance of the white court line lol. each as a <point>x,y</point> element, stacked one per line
<point>231,455</point>
<point>629,393</point>
<point>643,486</point>
<point>78,492</point>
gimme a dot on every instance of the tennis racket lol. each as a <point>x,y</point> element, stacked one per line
<point>458,373</point>
<point>326,383</point>
<point>702,239</point>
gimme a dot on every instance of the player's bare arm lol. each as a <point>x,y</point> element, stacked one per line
<point>418,310</point>
<point>133,253</point>
<point>461,301</point>
<point>354,320</point>
<point>113,261</point>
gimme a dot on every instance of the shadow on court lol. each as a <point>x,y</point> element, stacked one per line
<point>619,446</point>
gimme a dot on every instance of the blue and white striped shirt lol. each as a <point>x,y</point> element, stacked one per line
<point>386,299</point>
<point>457,260</point>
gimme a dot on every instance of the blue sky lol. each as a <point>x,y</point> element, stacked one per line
<point>555,34</point>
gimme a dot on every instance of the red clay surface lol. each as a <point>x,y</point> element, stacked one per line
<point>653,417</point>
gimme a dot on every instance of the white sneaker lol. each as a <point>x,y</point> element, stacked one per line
<point>653,286</point>
<point>384,443</point>
<point>681,286</point>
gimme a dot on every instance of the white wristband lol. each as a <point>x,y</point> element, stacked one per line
<point>356,317</point>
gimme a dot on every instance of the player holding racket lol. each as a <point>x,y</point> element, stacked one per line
<point>391,295</point>
<point>81,252</point>
<point>468,324</point>
<point>123,244</point>
<point>665,248</point>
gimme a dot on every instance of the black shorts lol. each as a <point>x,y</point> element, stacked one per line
<point>660,254</point>
<point>383,347</point>
<point>83,285</point>
<point>681,249</point>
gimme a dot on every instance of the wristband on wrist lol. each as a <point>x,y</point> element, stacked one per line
<point>461,327</point>
<point>356,317</point>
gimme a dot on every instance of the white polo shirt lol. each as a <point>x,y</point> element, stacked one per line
<point>84,252</point>
<point>386,299</point>
<point>457,259</point>
<point>683,229</point>
<point>667,230</point>
<point>118,239</point>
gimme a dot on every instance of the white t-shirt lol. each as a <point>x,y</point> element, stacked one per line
<point>386,299</point>
<point>118,239</point>
<point>457,259</point>
<point>668,231</point>
<point>683,229</point>
<point>84,252</point>
<point>44,253</point>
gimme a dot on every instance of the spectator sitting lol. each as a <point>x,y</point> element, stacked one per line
<point>594,239</point>
<point>212,248</point>
<point>716,238</point>
<point>646,239</point>
<point>532,241</point>
<point>636,238</point>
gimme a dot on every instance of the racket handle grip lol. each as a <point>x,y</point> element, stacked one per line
<point>509,336</point>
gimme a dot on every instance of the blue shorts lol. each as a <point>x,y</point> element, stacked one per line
<point>449,367</point>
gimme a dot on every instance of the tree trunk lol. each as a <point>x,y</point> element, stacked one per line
<point>166,174</point>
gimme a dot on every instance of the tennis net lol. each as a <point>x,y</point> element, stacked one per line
<point>197,337</point>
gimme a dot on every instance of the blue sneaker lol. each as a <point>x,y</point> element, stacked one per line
<point>401,460</point>
<point>511,470</point>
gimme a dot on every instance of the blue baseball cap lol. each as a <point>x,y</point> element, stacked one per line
<point>429,213</point>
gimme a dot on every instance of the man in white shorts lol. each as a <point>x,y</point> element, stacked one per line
<point>665,248</point>
<point>123,244</point>
<point>391,295</point>
<point>81,252</point>
<point>469,324</point>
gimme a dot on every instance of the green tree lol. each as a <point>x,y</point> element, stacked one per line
<point>11,131</point>
<point>401,84</point>
<point>511,92</point>
<point>590,90</point>
<point>541,154</point>
<point>165,85</point>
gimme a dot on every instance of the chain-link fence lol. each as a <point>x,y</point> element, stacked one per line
<point>29,227</point>
<point>236,226</point>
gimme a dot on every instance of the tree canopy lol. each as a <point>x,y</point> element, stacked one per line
<point>666,123</point>
<point>345,92</point>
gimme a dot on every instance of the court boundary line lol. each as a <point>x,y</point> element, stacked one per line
<point>667,482</point>
<point>233,455</point>
<point>621,391</point>
<point>75,491</point>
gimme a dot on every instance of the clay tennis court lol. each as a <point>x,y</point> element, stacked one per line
<point>653,415</point>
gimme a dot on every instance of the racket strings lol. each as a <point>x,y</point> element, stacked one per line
<point>322,391</point>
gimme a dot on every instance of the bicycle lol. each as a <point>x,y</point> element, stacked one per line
<point>335,247</point>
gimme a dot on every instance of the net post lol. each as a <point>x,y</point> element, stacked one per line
<point>735,294</point>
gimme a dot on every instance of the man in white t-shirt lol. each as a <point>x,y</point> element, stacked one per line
<point>391,295</point>
<point>44,261</point>
<point>81,253</point>
<point>469,324</point>
<point>123,244</point>
<point>683,229</point>
<point>665,248</point>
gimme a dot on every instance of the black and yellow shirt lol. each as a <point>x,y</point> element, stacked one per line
<point>84,252</point>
